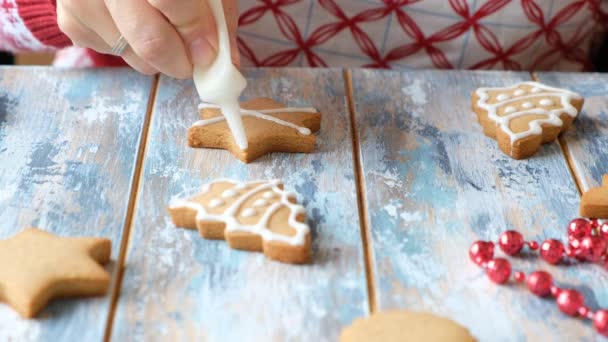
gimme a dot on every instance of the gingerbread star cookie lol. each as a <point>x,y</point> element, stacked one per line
<point>526,115</point>
<point>253,216</point>
<point>403,326</point>
<point>594,202</point>
<point>269,126</point>
<point>36,266</point>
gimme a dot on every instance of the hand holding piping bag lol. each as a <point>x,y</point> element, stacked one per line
<point>221,82</point>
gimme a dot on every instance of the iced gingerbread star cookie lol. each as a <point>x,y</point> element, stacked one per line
<point>594,203</point>
<point>526,115</point>
<point>36,266</point>
<point>403,326</point>
<point>270,127</point>
<point>254,216</point>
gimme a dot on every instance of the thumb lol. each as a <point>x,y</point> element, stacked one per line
<point>194,21</point>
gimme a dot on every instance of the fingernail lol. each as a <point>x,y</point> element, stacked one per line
<point>202,52</point>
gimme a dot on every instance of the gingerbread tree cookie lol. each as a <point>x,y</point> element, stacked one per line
<point>269,126</point>
<point>36,266</point>
<point>526,115</point>
<point>254,216</point>
<point>594,202</point>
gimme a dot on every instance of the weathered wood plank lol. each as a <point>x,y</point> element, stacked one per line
<point>68,141</point>
<point>180,286</point>
<point>588,142</point>
<point>434,184</point>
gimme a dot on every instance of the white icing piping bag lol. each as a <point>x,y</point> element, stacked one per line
<point>221,82</point>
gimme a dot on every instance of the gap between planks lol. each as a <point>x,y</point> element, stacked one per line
<point>361,200</point>
<point>133,196</point>
<point>565,151</point>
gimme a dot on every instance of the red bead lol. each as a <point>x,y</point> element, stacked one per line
<point>511,242</point>
<point>578,229</point>
<point>600,321</point>
<point>594,223</point>
<point>583,311</point>
<point>555,291</point>
<point>540,283</point>
<point>519,276</point>
<point>603,230</point>
<point>533,245</point>
<point>481,252</point>
<point>570,301</point>
<point>593,248</point>
<point>498,270</point>
<point>552,251</point>
<point>574,250</point>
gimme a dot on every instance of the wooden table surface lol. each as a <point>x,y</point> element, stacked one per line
<point>401,183</point>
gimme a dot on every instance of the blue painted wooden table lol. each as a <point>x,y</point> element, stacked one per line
<point>402,182</point>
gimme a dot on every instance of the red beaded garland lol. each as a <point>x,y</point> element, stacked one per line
<point>587,241</point>
<point>552,251</point>
<point>540,283</point>
<point>569,301</point>
<point>498,270</point>
<point>511,242</point>
<point>600,321</point>
<point>578,229</point>
<point>481,252</point>
<point>593,248</point>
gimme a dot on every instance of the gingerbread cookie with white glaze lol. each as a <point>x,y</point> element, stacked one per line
<point>404,326</point>
<point>269,126</point>
<point>253,216</point>
<point>523,117</point>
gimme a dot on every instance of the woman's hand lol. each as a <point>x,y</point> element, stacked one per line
<point>166,36</point>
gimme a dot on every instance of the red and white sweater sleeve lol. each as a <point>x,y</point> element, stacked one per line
<point>31,26</point>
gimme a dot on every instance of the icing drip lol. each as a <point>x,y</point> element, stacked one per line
<point>249,212</point>
<point>268,194</point>
<point>535,126</point>
<point>229,193</point>
<point>519,92</point>
<point>214,203</point>
<point>261,227</point>
<point>546,102</point>
<point>527,105</point>
<point>510,109</point>
<point>502,97</point>
<point>260,114</point>
<point>260,202</point>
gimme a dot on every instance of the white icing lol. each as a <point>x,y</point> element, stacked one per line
<point>229,193</point>
<point>216,202</point>
<point>261,114</point>
<point>260,202</point>
<point>221,82</point>
<point>249,212</point>
<point>527,105</point>
<point>510,109</point>
<point>519,92</point>
<point>268,194</point>
<point>535,126</point>
<point>502,97</point>
<point>261,227</point>
<point>546,102</point>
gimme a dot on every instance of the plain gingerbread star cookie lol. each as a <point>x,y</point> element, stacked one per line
<point>526,115</point>
<point>270,127</point>
<point>594,203</point>
<point>253,216</point>
<point>403,326</point>
<point>36,266</point>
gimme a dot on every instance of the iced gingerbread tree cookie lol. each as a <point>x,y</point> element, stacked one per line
<point>526,115</point>
<point>269,126</point>
<point>254,216</point>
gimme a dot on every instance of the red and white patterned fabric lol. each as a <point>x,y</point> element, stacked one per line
<point>446,34</point>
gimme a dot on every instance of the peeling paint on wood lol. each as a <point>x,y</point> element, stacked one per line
<point>68,141</point>
<point>178,285</point>
<point>434,184</point>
